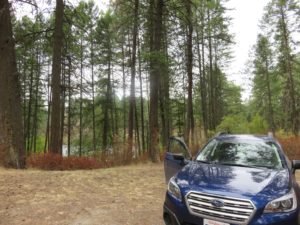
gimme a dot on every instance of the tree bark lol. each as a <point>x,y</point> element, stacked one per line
<point>49,95</point>
<point>28,124</point>
<point>190,123</point>
<point>270,106</point>
<point>164,98</point>
<point>69,104</point>
<point>63,108</point>
<point>167,108</point>
<point>108,103</point>
<point>290,78</point>
<point>202,77</point>
<point>11,127</point>
<point>132,83</point>
<point>141,99</point>
<point>137,133</point>
<point>55,146</point>
<point>211,77</point>
<point>93,96</point>
<point>80,97</point>
<point>124,91</point>
<point>156,16</point>
<point>37,87</point>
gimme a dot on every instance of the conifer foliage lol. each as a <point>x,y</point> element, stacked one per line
<point>81,81</point>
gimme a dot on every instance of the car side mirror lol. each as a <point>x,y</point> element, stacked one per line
<point>295,165</point>
<point>178,156</point>
<point>181,157</point>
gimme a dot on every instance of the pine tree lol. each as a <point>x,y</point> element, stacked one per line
<point>55,129</point>
<point>11,127</point>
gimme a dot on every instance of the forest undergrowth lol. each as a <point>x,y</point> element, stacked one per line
<point>50,161</point>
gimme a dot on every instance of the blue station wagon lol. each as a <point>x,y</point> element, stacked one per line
<point>233,180</point>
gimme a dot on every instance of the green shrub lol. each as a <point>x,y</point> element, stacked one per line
<point>236,124</point>
<point>258,125</point>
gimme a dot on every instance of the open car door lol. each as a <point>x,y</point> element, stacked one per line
<point>176,158</point>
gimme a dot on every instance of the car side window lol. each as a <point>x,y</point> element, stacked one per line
<point>176,147</point>
<point>207,151</point>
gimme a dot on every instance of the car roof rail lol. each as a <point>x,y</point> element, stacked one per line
<point>222,133</point>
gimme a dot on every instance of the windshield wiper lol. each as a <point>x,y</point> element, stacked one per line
<point>203,161</point>
<point>264,166</point>
<point>236,164</point>
<point>243,165</point>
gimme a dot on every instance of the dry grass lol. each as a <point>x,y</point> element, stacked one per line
<point>291,146</point>
<point>130,195</point>
<point>57,162</point>
<point>51,161</point>
<point>117,196</point>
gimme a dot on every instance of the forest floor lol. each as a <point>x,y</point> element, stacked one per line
<point>130,195</point>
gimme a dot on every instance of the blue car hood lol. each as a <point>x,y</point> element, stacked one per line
<point>257,184</point>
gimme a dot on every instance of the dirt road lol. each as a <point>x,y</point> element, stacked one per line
<point>131,195</point>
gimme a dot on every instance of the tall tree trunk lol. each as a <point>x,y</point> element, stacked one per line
<point>211,77</point>
<point>137,133</point>
<point>56,77</point>
<point>23,93</point>
<point>190,123</point>
<point>179,113</point>
<point>80,101</point>
<point>156,16</point>
<point>148,110</point>
<point>141,99</point>
<point>69,104</point>
<point>217,87</point>
<point>93,96</point>
<point>63,98</point>
<point>115,113</point>
<point>35,115</point>
<point>270,106</point>
<point>124,91</point>
<point>112,98</point>
<point>202,78</point>
<point>11,127</point>
<point>108,103</point>
<point>47,136</point>
<point>204,93</point>
<point>290,78</point>
<point>132,83</point>
<point>28,125</point>
<point>163,96</point>
<point>163,116</point>
<point>166,92</point>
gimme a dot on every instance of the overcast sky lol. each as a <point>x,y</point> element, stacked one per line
<point>246,15</point>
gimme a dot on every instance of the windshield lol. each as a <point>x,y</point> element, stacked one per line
<point>241,153</point>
